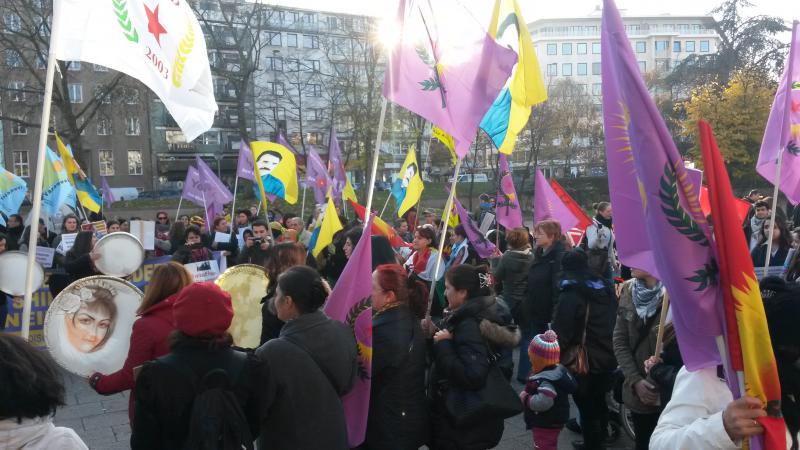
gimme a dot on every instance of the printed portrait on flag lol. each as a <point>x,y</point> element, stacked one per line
<point>277,168</point>
<point>408,186</point>
<point>88,326</point>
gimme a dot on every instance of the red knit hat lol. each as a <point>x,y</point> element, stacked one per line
<point>544,351</point>
<point>202,309</point>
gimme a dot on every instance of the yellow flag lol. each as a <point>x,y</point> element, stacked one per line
<point>445,139</point>
<point>349,193</point>
<point>408,187</point>
<point>275,170</point>
<point>86,192</point>
<point>527,85</point>
<point>330,225</point>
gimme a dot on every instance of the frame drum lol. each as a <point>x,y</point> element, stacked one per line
<point>247,285</point>
<point>121,254</point>
<point>13,265</point>
<point>88,326</point>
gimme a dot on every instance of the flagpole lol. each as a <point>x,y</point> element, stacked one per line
<point>442,238</point>
<point>233,205</point>
<point>787,105</point>
<point>375,157</point>
<point>178,213</point>
<point>385,205</point>
<point>205,209</point>
<point>36,209</point>
<point>303,207</point>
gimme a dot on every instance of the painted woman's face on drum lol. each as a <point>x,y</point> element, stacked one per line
<point>87,328</point>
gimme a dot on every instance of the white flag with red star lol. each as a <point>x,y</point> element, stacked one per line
<point>158,42</point>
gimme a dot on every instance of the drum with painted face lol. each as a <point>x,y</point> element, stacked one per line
<point>88,326</point>
<point>247,284</point>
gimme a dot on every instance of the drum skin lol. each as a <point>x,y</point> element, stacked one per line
<point>121,254</point>
<point>13,265</point>
<point>247,285</point>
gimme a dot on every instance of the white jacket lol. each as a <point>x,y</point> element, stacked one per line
<point>37,434</point>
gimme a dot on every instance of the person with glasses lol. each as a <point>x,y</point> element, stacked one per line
<point>163,245</point>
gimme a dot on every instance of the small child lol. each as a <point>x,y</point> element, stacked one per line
<point>546,394</point>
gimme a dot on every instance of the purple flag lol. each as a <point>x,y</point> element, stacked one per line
<point>108,196</point>
<point>509,214</point>
<point>350,303</point>
<point>548,205</point>
<point>783,128</point>
<point>448,75</point>
<point>654,203</point>
<point>192,190</point>
<point>317,176</point>
<point>281,139</point>
<point>483,247</point>
<point>244,167</point>
<point>215,191</point>
<point>337,167</point>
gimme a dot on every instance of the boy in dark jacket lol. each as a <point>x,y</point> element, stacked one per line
<point>546,394</point>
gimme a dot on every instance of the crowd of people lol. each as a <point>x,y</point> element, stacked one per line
<point>582,326</point>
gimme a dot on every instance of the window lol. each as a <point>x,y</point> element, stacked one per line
<point>314,138</point>
<point>16,91</point>
<point>12,22</point>
<point>291,39</point>
<point>597,89</point>
<point>73,66</point>
<point>132,126</point>
<point>41,62</point>
<point>315,65</point>
<point>101,94</point>
<point>18,128</point>
<point>676,46</point>
<point>276,87</point>
<point>21,166</point>
<point>566,48</point>
<point>552,49</point>
<point>106,158</point>
<point>135,162</point>
<point>582,67</point>
<point>310,41</point>
<point>75,93</point>
<point>104,127</point>
<point>99,68</point>
<point>131,96</point>
<point>642,66</point>
<point>309,18</point>
<point>582,48</point>
<point>275,38</point>
<point>566,69</point>
<point>211,138</point>
<point>13,58</point>
<point>661,46</point>
<point>278,113</point>
<point>704,47</point>
<point>596,68</point>
<point>275,63</point>
<point>662,65</point>
<point>689,46</point>
<point>641,46</point>
<point>595,48</point>
<point>552,70</point>
<point>314,90</point>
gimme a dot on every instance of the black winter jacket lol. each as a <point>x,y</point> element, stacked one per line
<point>512,271</point>
<point>577,291</point>
<point>165,393</point>
<point>479,326</point>
<point>311,365</point>
<point>252,255</point>
<point>398,411</point>
<point>558,415</point>
<point>543,291</point>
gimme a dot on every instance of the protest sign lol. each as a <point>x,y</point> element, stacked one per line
<point>44,256</point>
<point>145,231</point>
<point>203,270</point>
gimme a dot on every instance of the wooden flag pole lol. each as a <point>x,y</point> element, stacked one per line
<point>662,320</point>
<point>442,239</point>
<point>375,157</point>
<point>385,204</point>
<point>233,205</point>
<point>36,209</point>
<point>178,213</point>
<point>303,207</point>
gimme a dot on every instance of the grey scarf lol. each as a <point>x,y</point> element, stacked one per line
<point>757,230</point>
<point>646,301</point>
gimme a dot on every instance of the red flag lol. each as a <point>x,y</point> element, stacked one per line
<point>747,337</point>
<point>576,233</point>
<point>742,206</point>
<point>379,227</point>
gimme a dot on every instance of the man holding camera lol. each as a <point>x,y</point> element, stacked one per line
<point>255,248</point>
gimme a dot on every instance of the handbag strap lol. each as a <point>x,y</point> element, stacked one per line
<point>585,323</point>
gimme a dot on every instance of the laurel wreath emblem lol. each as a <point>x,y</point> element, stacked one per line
<point>121,11</point>
<point>184,49</point>
<point>352,316</point>
<point>676,215</point>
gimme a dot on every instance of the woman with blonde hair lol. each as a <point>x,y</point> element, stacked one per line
<point>149,339</point>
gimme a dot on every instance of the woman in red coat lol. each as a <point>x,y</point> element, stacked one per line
<point>149,339</point>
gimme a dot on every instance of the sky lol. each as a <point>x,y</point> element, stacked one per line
<point>535,9</point>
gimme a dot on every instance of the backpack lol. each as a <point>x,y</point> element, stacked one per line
<point>217,421</point>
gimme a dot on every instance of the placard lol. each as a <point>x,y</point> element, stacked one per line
<point>203,270</point>
<point>222,238</point>
<point>44,256</point>
<point>240,236</point>
<point>488,219</point>
<point>145,231</point>
<point>100,228</point>
<point>67,241</point>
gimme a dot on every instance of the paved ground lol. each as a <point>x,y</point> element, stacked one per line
<point>102,422</point>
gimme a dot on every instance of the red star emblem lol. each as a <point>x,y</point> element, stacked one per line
<point>795,106</point>
<point>153,25</point>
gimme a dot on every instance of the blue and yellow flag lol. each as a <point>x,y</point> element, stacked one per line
<point>275,171</point>
<point>87,194</point>
<point>330,225</point>
<point>512,107</point>
<point>56,189</point>
<point>408,187</point>
<point>12,193</point>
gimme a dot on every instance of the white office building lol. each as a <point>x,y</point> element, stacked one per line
<point>570,48</point>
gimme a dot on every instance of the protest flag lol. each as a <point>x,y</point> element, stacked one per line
<point>317,176</point>
<point>56,188</point>
<point>408,187</point>
<point>85,190</point>
<point>12,193</point>
<point>584,220</point>
<point>329,226</point>
<point>509,213</point>
<point>349,193</point>
<point>380,227</point>
<point>108,195</point>
<point>548,205</point>
<point>445,139</point>
<point>275,171</point>
<point>482,246</point>
<point>336,166</point>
